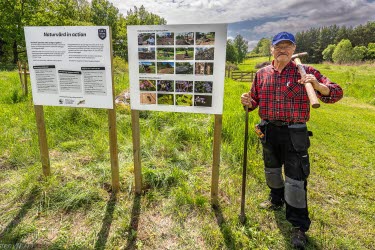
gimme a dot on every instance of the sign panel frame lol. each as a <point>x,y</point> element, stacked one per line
<point>70,66</point>
<point>178,68</point>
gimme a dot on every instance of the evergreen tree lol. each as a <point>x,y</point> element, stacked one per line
<point>231,52</point>
<point>241,45</point>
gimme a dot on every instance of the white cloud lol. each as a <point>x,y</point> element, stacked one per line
<point>251,44</point>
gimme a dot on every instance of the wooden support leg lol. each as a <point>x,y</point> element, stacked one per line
<point>216,160</point>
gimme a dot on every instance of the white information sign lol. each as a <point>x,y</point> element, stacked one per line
<point>179,68</point>
<point>70,66</point>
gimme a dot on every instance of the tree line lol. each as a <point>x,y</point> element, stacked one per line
<point>16,14</point>
<point>351,44</point>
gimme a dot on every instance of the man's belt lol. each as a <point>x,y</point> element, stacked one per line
<point>283,123</point>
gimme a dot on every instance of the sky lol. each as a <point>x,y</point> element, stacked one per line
<point>257,19</point>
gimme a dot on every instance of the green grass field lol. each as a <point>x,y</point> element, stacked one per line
<point>74,209</point>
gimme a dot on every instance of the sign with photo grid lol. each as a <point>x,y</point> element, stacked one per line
<point>178,68</point>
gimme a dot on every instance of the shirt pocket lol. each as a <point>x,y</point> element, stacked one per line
<point>293,90</point>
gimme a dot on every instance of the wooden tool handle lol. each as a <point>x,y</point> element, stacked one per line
<point>309,88</point>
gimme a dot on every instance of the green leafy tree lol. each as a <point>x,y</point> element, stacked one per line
<point>140,16</point>
<point>2,50</point>
<point>327,52</point>
<point>104,13</point>
<point>231,53</point>
<point>241,45</point>
<point>15,14</point>
<point>370,51</point>
<point>120,41</point>
<point>343,52</point>
<point>62,13</point>
<point>265,47</point>
<point>358,53</point>
<point>255,51</point>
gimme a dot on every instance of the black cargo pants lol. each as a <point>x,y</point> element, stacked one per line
<point>287,145</point>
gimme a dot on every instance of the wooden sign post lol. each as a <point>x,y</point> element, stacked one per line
<point>136,151</point>
<point>113,147</point>
<point>42,136</point>
<point>216,160</point>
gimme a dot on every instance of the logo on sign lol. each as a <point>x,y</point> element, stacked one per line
<point>102,33</point>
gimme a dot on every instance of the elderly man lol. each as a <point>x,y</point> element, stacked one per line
<point>278,90</point>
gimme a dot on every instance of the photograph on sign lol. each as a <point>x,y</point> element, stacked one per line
<point>184,53</point>
<point>185,38</point>
<point>71,65</point>
<point>146,39</point>
<point>178,68</point>
<point>146,53</point>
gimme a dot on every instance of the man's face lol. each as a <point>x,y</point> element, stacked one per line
<point>283,51</point>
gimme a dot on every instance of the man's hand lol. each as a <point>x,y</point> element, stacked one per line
<point>311,79</point>
<point>323,89</point>
<point>246,100</point>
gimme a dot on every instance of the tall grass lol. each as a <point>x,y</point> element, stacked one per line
<point>357,81</point>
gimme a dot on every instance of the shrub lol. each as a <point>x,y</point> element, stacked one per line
<point>370,51</point>
<point>359,53</point>
<point>328,52</point>
<point>343,52</point>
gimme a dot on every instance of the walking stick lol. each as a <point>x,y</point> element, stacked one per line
<point>244,166</point>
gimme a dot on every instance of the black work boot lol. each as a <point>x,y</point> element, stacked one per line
<point>269,205</point>
<point>299,238</point>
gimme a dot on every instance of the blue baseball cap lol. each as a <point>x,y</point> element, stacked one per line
<point>283,36</point>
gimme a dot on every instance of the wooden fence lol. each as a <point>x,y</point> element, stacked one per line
<point>243,76</point>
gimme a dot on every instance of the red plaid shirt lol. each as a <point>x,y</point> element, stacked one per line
<point>280,97</point>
